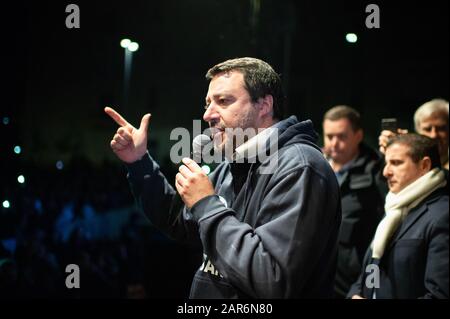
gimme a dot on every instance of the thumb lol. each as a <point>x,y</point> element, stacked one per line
<point>144,122</point>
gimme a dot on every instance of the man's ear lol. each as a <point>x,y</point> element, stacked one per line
<point>266,105</point>
<point>425,164</point>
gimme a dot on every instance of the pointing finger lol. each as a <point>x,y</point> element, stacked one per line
<point>116,116</point>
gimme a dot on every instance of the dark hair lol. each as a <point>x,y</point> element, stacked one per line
<point>343,111</point>
<point>420,146</point>
<point>259,79</point>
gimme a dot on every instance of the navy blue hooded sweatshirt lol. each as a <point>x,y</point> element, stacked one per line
<point>276,235</point>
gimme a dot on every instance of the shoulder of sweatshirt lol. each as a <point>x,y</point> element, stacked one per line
<point>300,156</point>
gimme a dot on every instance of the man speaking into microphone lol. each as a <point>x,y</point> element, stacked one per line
<point>264,233</point>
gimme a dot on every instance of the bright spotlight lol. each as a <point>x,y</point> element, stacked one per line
<point>351,37</point>
<point>6,204</point>
<point>133,46</point>
<point>125,43</point>
<point>21,179</point>
<point>17,149</point>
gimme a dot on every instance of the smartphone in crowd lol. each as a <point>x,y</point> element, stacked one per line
<point>389,124</point>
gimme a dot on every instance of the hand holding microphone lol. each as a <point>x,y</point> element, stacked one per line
<point>191,182</point>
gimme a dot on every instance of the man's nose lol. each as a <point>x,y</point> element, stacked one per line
<point>334,142</point>
<point>386,171</point>
<point>433,133</point>
<point>210,114</point>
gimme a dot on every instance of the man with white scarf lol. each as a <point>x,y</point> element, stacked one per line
<point>409,255</point>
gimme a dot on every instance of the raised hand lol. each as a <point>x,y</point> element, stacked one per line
<point>385,136</point>
<point>129,143</point>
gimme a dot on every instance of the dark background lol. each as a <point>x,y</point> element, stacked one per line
<point>56,81</point>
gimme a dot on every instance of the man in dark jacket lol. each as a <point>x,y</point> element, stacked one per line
<point>266,231</point>
<point>363,188</point>
<point>408,257</point>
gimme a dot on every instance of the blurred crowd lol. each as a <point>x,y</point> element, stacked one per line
<point>84,215</point>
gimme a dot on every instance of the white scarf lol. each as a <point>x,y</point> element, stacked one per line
<point>397,206</point>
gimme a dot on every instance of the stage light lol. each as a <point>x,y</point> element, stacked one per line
<point>6,204</point>
<point>125,43</point>
<point>133,46</point>
<point>21,179</point>
<point>17,149</point>
<point>351,37</point>
<point>6,120</point>
<point>59,165</point>
<point>206,169</point>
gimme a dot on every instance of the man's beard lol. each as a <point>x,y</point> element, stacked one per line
<point>227,139</point>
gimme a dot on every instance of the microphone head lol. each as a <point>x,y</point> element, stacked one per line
<point>198,144</point>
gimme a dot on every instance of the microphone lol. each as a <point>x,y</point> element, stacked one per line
<point>198,145</point>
